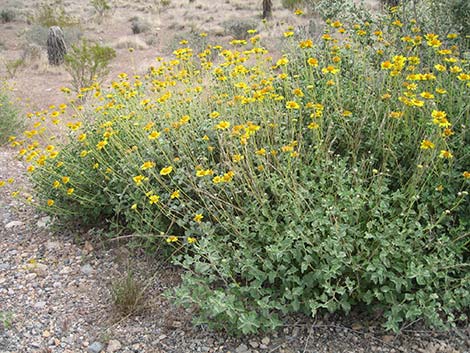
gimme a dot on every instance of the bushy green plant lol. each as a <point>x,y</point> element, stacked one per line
<point>9,117</point>
<point>87,63</point>
<point>292,4</point>
<point>239,28</point>
<point>100,6</point>
<point>53,13</point>
<point>139,25</point>
<point>7,15</point>
<point>12,66</point>
<point>336,176</point>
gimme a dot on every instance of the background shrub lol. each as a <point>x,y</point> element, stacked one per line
<point>7,15</point>
<point>139,25</point>
<point>52,13</point>
<point>9,118</point>
<point>87,63</point>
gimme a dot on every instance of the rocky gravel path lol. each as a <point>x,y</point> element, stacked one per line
<point>55,297</point>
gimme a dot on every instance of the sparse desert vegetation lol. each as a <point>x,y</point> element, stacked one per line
<point>300,158</point>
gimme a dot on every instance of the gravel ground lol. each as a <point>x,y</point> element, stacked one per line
<point>55,297</point>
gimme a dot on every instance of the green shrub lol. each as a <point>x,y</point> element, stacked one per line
<point>238,28</point>
<point>7,15</point>
<point>139,25</point>
<point>100,6</point>
<point>292,4</point>
<point>53,13</point>
<point>9,117</point>
<point>88,63</point>
<point>334,177</point>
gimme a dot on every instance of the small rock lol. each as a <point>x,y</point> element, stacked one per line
<point>87,269</point>
<point>254,344</point>
<point>44,222</point>
<point>13,224</point>
<point>242,348</point>
<point>177,324</point>
<point>357,326</point>
<point>113,346</point>
<point>95,347</point>
<point>65,270</point>
<point>4,267</point>
<point>388,338</point>
<point>40,305</point>
<point>265,341</point>
<point>295,332</point>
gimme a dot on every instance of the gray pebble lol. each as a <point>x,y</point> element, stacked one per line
<point>95,347</point>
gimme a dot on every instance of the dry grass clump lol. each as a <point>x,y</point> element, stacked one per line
<point>128,294</point>
<point>127,42</point>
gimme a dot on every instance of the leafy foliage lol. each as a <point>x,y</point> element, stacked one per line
<point>9,118</point>
<point>88,63</point>
<point>333,177</point>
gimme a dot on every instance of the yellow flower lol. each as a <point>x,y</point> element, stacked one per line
<point>2,183</point>
<point>56,184</point>
<point>261,152</point>
<point>463,77</point>
<point>198,218</point>
<point>455,69</point>
<point>100,145</point>
<point>223,125</point>
<point>214,114</point>
<point>288,34</point>
<point>147,165</point>
<point>154,199</point>
<point>292,105</point>
<point>166,170</point>
<point>70,191</point>
<point>204,172</point>
<point>65,179</point>
<point>191,240</point>
<point>426,144</point>
<point>50,203</point>
<point>330,69</point>
<point>395,115</point>
<point>466,174</point>
<point>134,206</point>
<point>306,44</point>
<point>217,179</point>
<point>30,169</point>
<point>298,12</point>
<point>138,179</point>
<point>153,135</point>
<point>312,62</point>
<point>446,154</point>
<point>427,95</point>
<point>313,126</point>
<point>237,158</point>
<point>175,194</point>
<point>283,61</point>
<point>440,67</point>
<point>438,114</point>
<point>386,65</point>
<point>172,239</point>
